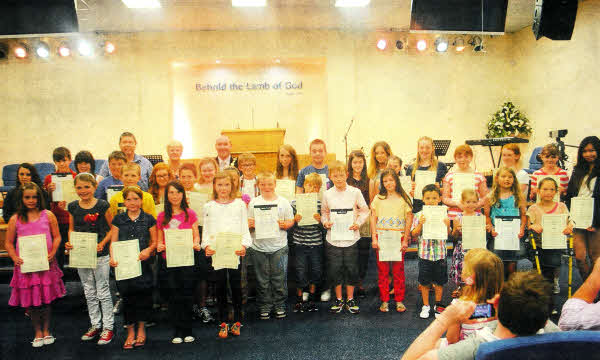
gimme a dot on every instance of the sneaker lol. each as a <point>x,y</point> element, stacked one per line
<point>425,312</point>
<point>205,315</point>
<point>304,296</point>
<point>235,329</point>
<point>311,307</point>
<point>554,311</point>
<point>400,307</point>
<point>106,337</point>
<point>337,306</point>
<point>37,342</point>
<point>117,307</point>
<point>49,340</point>
<point>384,307</point>
<point>299,307</point>
<point>326,295</point>
<point>176,340</point>
<point>189,339</point>
<point>352,306</point>
<point>264,315</point>
<point>438,309</point>
<point>223,330</point>
<point>90,334</point>
<point>280,313</point>
<point>556,288</point>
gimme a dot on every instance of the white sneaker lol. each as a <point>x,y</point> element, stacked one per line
<point>305,296</point>
<point>556,288</point>
<point>425,310</point>
<point>326,295</point>
<point>189,339</point>
<point>177,340</point>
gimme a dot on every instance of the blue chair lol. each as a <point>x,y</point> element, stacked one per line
<point>44,169</point>
<point>567,345</point>
<point>534,163</point>
<point>9,177</point>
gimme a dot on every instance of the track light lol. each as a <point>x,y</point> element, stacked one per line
<point>42,50</point>
<point>441,44</point>
<point>21,51</point>
<point>84,48</point>
<point>477,43</point>
<point>64,49</point>
<point>421,45</point>
<point>459,43</point>
<point>381,44</point>
<point>109,47</point>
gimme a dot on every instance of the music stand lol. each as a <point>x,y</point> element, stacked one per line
<point>154,159</point>
<point>441,147</point>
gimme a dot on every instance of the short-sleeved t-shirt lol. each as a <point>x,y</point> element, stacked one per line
<point>309,170</point>
<point>117,205</point>
<point>177,222</point>
<point>391,213</point>
<point>429,249</point>
<point>91,220</point>
<point>284,211</point>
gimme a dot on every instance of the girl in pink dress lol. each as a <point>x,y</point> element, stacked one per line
<point>35,291</point>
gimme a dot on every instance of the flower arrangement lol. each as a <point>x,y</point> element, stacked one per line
<point>508,121</point>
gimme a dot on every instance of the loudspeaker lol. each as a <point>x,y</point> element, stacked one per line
<point>554,19</point>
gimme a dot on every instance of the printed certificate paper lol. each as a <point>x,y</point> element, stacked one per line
<point>265,221</point>
<point>286,189</point>
<point>127,255</point>
<point>582,212</point>
<point>390,245</point>
<point>34,252</point>
<point>423,178</point>
<point>473,232</point>
<point>226,244</point>
<point>179,247</point>
<point>196,201</point>
<point>462,182</point>
<point>342,220</point>
<point>508,229</point>
<point>84,254</point>
<point>306,206</point>
<point>434,227</point>
<point>65,188</point>
<point>552,231</point>
<point>112,190</point>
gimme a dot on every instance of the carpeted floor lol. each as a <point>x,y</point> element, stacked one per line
<point>321,335</point>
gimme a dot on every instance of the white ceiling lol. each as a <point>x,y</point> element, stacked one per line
<point>189,15</point>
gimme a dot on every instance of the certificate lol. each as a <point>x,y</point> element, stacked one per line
<point>434,227</point>
<point>265,221</point>
<point>508,228</point>
<point>390,245</point>
<point>552,231</point>
<point>179,247</point>
<point>226,244</point>
<point>286,189</point>
<point>196,202</point>
<point>34,252</point>
<point>323,188</point>
<point>460,182</point>
<point>582,212</point>
<point>342,220</point>
<point>84,254</point>
<point>306,206</point>
<point>65,188</point>
<point>422,178</point>
<point>473,232</point>
<point>127,255</point>
<point>112,190</point>
<point>555,178</point>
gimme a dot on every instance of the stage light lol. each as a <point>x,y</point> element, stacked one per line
<point>441,44</point>
<point>64,50</point>
<point>109,47</point>
<point>421,45</point>
<point>399,45</point>
<point>3,51</point>
<point>459,43</point>
<point>21,51</point>
<point>84,48</point>
<point>42,50</point>
<point>381,44</point>
<point>351,3</point>
<point>248,3</point>
<point>142,4</point>
<point>477,43</point>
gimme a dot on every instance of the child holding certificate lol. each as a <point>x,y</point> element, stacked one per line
<point>584,185</point>
<point>34,290</point>
<point>342,212</point>
<point>506,199</point>
<point>270,216</point>
<point>225,220</point>
<point>181,280</point>
<point>549,257</point>
<point>391,213</point>
<point>432,253</point>
<point>550,156</point>
<point>426,161</point>
<point>136,286</point>
<point>91,215</point>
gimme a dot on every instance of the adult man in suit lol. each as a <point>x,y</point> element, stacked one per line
<point>224,158</point>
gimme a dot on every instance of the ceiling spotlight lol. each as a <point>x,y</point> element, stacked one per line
<point>399,45</point>
<point>421,45</point>
<point>381,44</point>
<point>441,44</point>
<point>84,48</point>
<point>64,50</point>
<point>459,43</point>
<point>42,50</point>
<point>109,47</point>
<point>477,43</point>
<point>21,51</point>
<point>3,51</point>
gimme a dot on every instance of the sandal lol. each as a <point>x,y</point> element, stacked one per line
<point>140,341</point>
<point>223,331</point>
<point>235,329</point>
<point>400,307</point>
<point>128,344</point>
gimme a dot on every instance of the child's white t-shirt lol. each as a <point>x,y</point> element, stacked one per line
<point>284,212</point>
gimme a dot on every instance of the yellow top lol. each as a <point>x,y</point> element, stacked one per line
<point>117,205</point>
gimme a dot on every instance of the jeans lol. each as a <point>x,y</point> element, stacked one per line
<point>309,265</point>
<point>271,278</point>
<point>97,293</point>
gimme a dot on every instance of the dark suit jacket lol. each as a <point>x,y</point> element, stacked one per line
<point>233,161</point>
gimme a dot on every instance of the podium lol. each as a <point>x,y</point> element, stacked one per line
<point>263,143</point>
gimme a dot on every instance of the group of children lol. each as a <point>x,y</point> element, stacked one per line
<point>375,197</point>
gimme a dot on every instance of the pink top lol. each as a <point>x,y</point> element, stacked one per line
<point>539,175</point>
<point>177,222</point>
<point>480,182</point>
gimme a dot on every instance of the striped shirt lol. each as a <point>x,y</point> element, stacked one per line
<point>539,175</point>
<point>480,183</point>
<point>429,249</point>
<point>309,235</point>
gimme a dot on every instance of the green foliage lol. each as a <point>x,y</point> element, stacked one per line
<point>508,121</point>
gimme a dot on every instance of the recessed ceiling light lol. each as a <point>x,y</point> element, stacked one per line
<point>142,4</point>
<point>351,3</point>
<point>248,3</point>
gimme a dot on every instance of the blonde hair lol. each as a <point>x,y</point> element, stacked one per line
<point>433,160</point>
<point>515,188</point>
<point>235,178</point>
<point>293,171</point>
<point>204,161</point>
<point>373,166</point>
<point>225,175</point>
<point>264,176</point>
<point>131,166</point>
<point>246,157</point>
<point>466,193</point>
<point>313,179</point>
<point>487,270</point>
<point>337,166</point>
